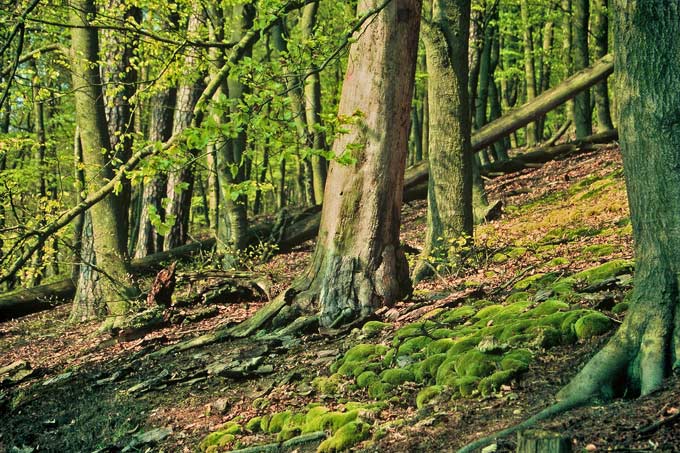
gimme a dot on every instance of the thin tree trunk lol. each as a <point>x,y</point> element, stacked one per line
<point>582,110</point>
<point>180,184</point>
<point>567,46</point>
<point>37,264</point>
<point>305,181</point>
<point>600,30</point>
<point>545,70</point>
<point>529,70</point>
<point>449,213</point>
<point>313,108</point>
<point>232,226</point>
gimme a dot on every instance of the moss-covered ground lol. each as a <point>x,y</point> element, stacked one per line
<point>475,350</point>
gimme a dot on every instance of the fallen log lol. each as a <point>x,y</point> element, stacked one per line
<point>541,155</point>
<point>527,113</point>
<point>305,226</point>
<point>32,300</point>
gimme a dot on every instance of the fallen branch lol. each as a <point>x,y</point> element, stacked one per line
<point>543,154</point>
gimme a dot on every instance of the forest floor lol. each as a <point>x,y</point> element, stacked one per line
<point>511,324</point>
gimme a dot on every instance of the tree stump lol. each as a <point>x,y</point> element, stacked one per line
<point>539,441</point>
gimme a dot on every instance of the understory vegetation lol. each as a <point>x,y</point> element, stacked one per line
<point>528,306</point>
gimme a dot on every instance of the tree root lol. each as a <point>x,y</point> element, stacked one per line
<point>547,413</point>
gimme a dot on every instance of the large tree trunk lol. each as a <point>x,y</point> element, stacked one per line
<point>358,264</point>
<point>449,200</point>
<point>109,243</point>
<point>647,345</point>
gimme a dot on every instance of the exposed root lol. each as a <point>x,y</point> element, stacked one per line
<point>636,359</point>
<point>547,413</point>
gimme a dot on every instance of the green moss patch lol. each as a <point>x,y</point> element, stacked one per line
<point>413,345</point>
<point>373,328</point>
<point>428,394</point>
<point>220,438</point>
<point>397,376</point>
<point>605,271</point>
<point>592,325</point>
<point>346,437</point>
<point>456,315</point>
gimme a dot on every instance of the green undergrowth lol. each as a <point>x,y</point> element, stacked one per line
<point>470,351</point>
<point>344,427</point>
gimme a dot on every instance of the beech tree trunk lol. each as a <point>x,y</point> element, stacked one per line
<point>313,107</point>
<point>358,264</point>
<point>582,112</point>
<point>180,183</point>
<point>529,70</point>
<point>232,223</point>
<point>108,241</point>
<point>567,38</point>
<point>160,130</point>
<point>646,348</point>
<point>600,30</point>
<point>119,76</point>
<point>449,199</point>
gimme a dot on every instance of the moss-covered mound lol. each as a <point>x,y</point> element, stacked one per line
<point>474,350</point>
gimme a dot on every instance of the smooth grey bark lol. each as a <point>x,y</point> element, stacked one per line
<point>119,76</point>
<point>154,190</point>
<point>313,107</point>
<point>529,69</point>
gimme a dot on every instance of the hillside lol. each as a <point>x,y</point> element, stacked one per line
<point>473,351</point>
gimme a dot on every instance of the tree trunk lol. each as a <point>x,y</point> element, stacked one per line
<point>538,441</point>
<point>529,71</point>
<point>582,113</point>
<point>180,184</point>
<point>449,200</point>
<point>425,123</point>
<point>474,61</point>
<point>495,111</point>
<point>120,76</point>
<point>37,264</point>
<point>109,243</point>
<point>600,31</point>
<point>313,108</point>
<point>646,348</point>
<point>232,224</point>
<point>567,39</point>
<point>160,130</point>
<point>358,264</point>
<point>544,63</point>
